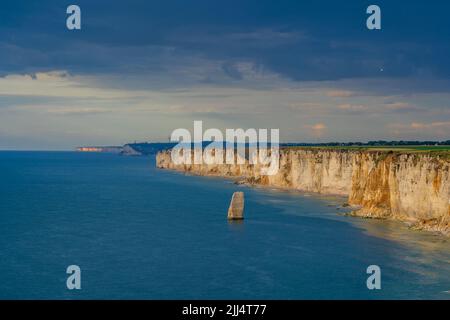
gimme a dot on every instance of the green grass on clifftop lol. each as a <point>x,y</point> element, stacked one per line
<point>441,151</point>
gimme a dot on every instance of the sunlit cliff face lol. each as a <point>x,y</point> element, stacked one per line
<point>410,187</point>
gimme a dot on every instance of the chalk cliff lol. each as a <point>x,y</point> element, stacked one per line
<point>412,187</point>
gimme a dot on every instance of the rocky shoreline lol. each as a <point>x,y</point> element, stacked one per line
<point>413,188</point>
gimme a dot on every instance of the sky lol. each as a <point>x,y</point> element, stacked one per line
<point>137,70</point>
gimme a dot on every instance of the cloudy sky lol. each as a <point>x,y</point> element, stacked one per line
<point>137,70</point>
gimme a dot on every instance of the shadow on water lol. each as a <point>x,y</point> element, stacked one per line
<point>236,224</point>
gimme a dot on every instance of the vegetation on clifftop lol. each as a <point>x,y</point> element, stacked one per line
<point>442,151</point>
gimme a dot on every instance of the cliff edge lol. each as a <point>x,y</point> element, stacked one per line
<point>411,187</point>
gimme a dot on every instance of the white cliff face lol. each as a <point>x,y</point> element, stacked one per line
<point>409,187</point>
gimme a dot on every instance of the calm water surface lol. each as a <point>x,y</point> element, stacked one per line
<point>142,233</point>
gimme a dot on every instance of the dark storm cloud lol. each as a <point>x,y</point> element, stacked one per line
<point>301,40</point>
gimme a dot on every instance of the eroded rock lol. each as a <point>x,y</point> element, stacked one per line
<point>236,209</point>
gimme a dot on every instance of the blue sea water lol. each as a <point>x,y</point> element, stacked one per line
<point>138,232</point>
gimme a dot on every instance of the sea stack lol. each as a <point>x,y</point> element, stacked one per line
<point>236,209</point>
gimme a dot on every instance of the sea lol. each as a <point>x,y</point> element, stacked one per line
<point>138,232</point>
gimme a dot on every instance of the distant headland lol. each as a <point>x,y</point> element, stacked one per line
<point>130,149</point>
